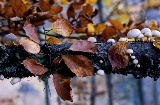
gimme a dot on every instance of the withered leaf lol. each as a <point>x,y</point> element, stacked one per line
<point>117,55</point>
<point>45,5</point>
<point>62,86</point>
<point>55,10</point>
<point>34,67</point>
<point>53,40</point>
<point>29,45</point>
<point>116,24</point>
<point>31,31</point>
<point>87,9</point>
<point>9,13</point>
<point>109,32</point>
<point>62,27</point>
<point>99,28</point>
<point>156,44</point>
<point>70,12</point>
<point>153,25</point>
<point>57,61</point>
<point>77,4</point>
<point>79,64</point>
<point>19,7</point>
<point>83,46</point>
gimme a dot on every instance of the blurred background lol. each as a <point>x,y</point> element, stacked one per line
<point>99,90</point>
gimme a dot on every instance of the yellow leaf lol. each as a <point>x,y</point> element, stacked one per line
<point>53,40</point>
<point>90,28</point>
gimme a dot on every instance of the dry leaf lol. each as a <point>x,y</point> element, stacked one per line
<point>109,32</point>
<point>31,31</point>
<point>9,13</point>
<point>34,67</point>
<point>116,24</point>
<point>53,18</point>
<point>62,27</point>
<point>55,10</point>
<point>99,28</point>
<point>29,45</point>
<point>77,4</point>
<point>70,12</point>
<point>90,28</point>
<point>62,86</point>
<point>79,64</point>
<point>87,9</point>
<point>57,61</point>
<point>156,44</point>
<point>53,40</point>
<point>19,7</point>
<point>45,5</point>
<point>153,25</point>
<point>83,46</point>
<point>117,55</point>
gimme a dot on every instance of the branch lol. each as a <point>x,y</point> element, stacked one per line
<point>11,58</point>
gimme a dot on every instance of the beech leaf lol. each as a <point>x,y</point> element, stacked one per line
<point>31,31</point>
<point>53,40</point>
<point>79,64</point>
<point>62,86</point>
<point>34,67</point>
<point>83,46</point>
<point>62,27</point>
<point>29,45</point>
<point>109,32</point>
<point>117,55</point>
<point>116,24</point>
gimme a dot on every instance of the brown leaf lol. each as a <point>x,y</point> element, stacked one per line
<point>29,45</point>
<point>116,24</point>
<point>79,64</point>
<point>31,31</point>
<point>77,4</point>
<point>9,13</point>
<point>70,12</point>
<point>53,40</point>
<point>153,25</point>
<point>109,32</point>
<point>83,46</point>
<point>62,86</point>
<point>62,27</point>
<point>156,44</point>
<point>55,10</point>
<point>117,55</point>
<point>53,18</point>
<point>57,61</point>
<point>45,5</point>
<point>87,9</point>
<point>19,7</point>
<point>34,67</point>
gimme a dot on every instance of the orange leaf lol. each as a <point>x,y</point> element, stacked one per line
<point>34,67</point>
<point>83,46</point>
<point>19,7</point>
<point>116,24</point>
<point>108,32</point>
<point>53,18</point>
<point>79,64</point>
<point>117,55</point>
<point>9,13</point>
<point>62,86</point>
<point>29,45</point>
<point>153,25</point>
<point>63,27</point>
<point>77,4</point>
<point>99,28</point>
<point>31,31</point>
<point>87,9</point>
<point>56,9</point>
<point>53,40</point>
<point>45,5</point>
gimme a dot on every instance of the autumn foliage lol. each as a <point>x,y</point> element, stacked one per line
<point>23,16</point>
